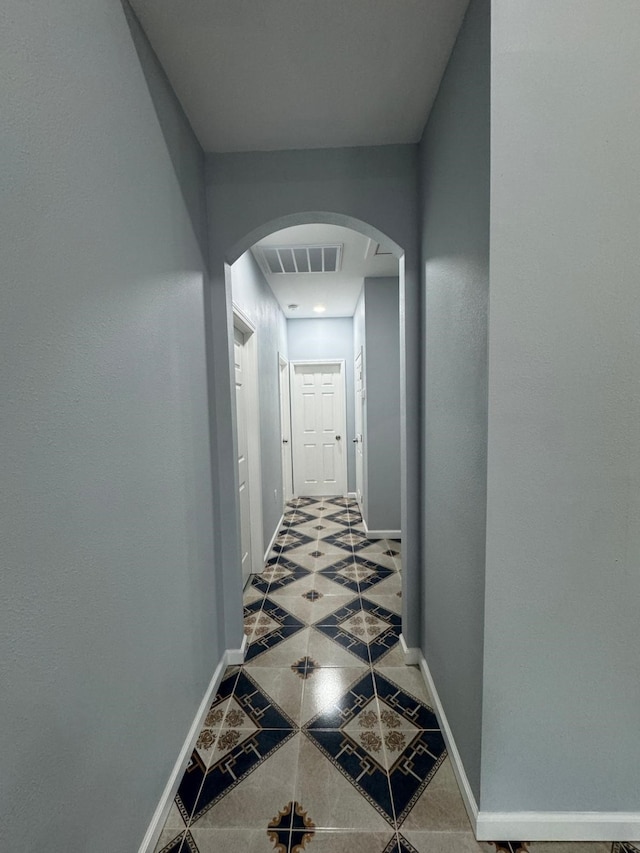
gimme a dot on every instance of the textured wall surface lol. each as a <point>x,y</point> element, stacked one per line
<point>329,338</point>
<point>252,293</point>
<point>562,669</point>
<point>454,160</point>
<point>108,620</point>
<point>382,403</point>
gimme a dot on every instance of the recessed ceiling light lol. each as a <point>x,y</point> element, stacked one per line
<point>319,309</point>
<point>293,307</point>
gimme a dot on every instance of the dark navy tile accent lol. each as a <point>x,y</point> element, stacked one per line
<point>405,846</point>
<point>291,570</point>
<point>306,501</point>
<point>347,540</point>
<point>289,539</point>
<point>412,710</point>
<point>291,829</point>
<point>312,595</point>
<point>356,765</point>
<point>305,667</point>
<point>342,517</point>
<point>296,516</point>
<point>624,847</point>
<point>346,707</point>
<point>366,580</point>
<point>336,573</point>
<point>219,778</point>
<point>366,648</point>
<point>331,627</point>
<point>258,706</point>
<point>287,625</point>
<point>182,842</point>
<point>414,769</point>
<point>201,787</point>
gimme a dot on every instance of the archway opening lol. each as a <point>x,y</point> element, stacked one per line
<point>246,253</point>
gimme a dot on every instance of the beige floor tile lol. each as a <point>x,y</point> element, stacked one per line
<point>391,602</point>
<point>334,559</point>
<point>232,840</point>
<point>282,685</point>
<point>391,585</point>
<point>285,653</point>
<point>440,806</point>
<point>324,607</point>
<point>409,678</point>
<point>328,841</point>
<point>446,842</point>
<point>166,836</point>
<point>174,819</point>
<point>569,847</point>
<point>326,652</point>
<point>258,797</point>
<point>329,799</point>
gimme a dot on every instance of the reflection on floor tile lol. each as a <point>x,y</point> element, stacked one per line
<point>324,740</point>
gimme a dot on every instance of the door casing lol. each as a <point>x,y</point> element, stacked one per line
<point>341,488</point>
<point>243,323</point>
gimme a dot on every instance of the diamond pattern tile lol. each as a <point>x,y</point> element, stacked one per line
<point>324,739</point>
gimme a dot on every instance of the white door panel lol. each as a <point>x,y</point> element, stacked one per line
<point>318,415</point>
<point>285,428</point>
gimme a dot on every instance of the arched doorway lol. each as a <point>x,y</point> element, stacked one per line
<point>225,418</point>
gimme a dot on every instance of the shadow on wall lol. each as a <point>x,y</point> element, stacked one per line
<point>184,149</point>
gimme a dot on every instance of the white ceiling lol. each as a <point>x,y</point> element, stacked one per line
<point>338,292</point>
<point>280,74</point>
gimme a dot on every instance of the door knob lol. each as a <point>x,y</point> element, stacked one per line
<point>285,441</point>
<point>355,440</point>
<point>338,437</point>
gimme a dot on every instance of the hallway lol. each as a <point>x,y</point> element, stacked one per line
<point>324,740</point>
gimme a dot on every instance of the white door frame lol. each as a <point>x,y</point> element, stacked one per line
<point>360,414</point>
<point>284,387</point>
<point>343,372</point>
<point>243,322</point>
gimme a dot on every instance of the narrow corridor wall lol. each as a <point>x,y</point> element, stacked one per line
<point>108,593</point>
<point>454,210</point>
<point>562,669</point>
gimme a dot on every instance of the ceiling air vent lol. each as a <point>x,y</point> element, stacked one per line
<point>283,260</point>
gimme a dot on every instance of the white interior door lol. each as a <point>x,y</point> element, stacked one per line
<point>243,452</point>
<point>359,424</point>
<point>285,428</point>
<point>318,415</point>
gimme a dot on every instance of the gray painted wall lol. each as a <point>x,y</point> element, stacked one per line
<point>108,626</point>
<point>562,669</point>
<point>454,211</point>
<point>250,195</point>
<point>254,296</point>
<point>329,338</point>
<point>382,386</point>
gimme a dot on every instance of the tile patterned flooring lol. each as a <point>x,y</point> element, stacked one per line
<point>324,740</point>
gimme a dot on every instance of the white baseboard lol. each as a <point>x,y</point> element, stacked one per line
<point>164,806</point>
<point>380,534</point>
<point>534,826</point>
<point>559,826</point>
<point>468,797</point>
<point>273,538</point>
<point>352,495</point>
<point>411,655</point>
<point>235,657</point>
